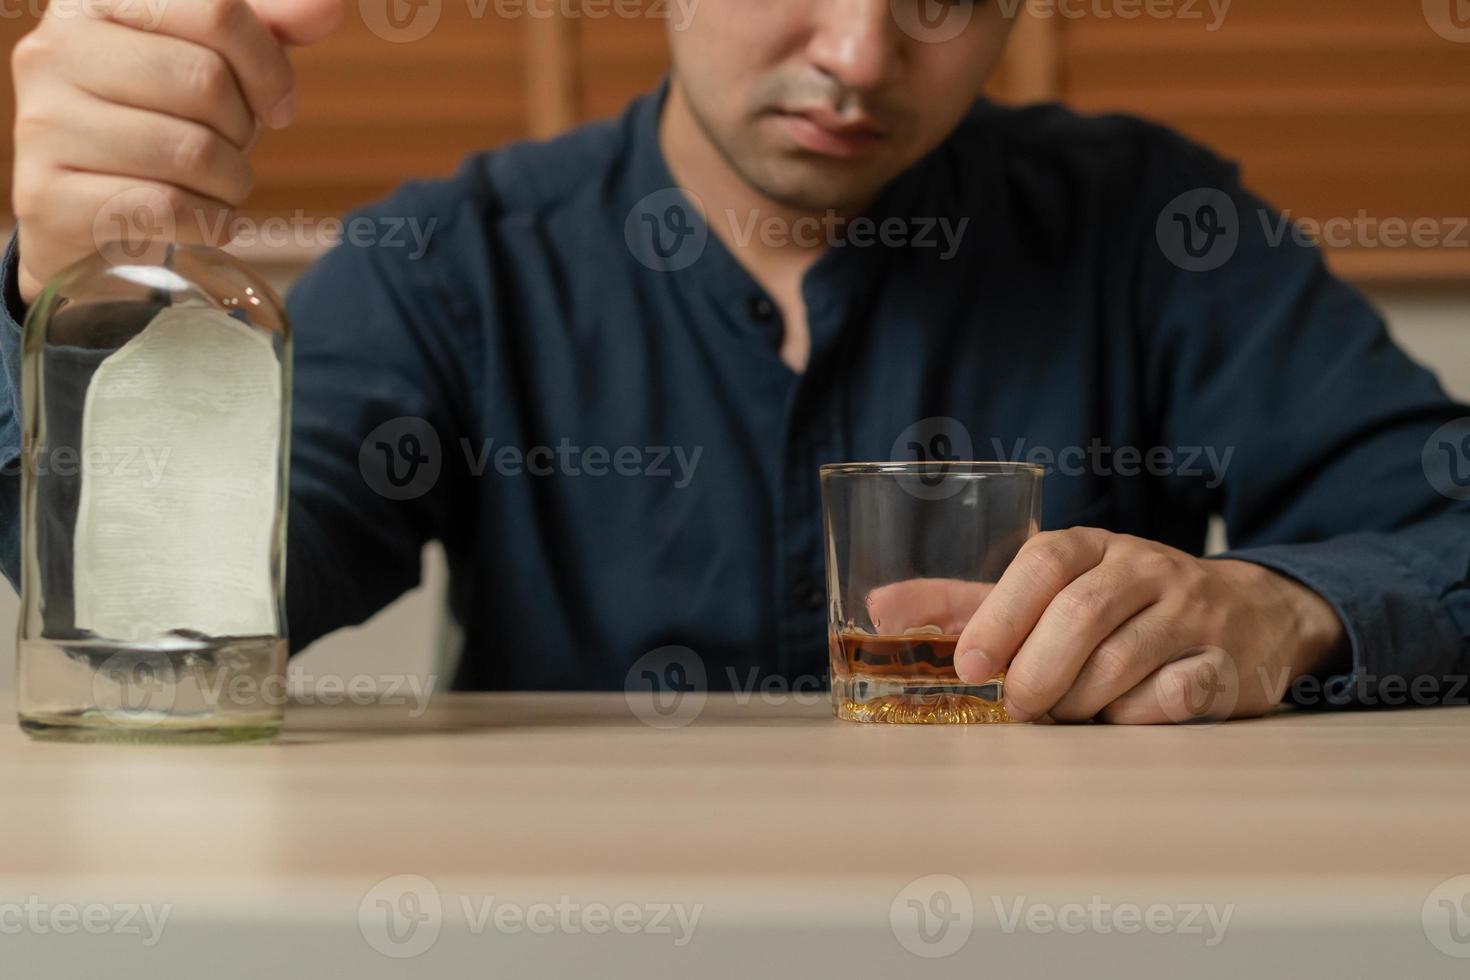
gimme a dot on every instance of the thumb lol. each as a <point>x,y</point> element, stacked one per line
<point>299,21</point>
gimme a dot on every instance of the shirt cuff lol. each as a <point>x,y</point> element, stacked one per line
<point>1407,647</point>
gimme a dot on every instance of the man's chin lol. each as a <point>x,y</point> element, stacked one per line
<point>805,183</point>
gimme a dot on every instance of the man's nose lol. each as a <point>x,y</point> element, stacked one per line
<point>857,42</point>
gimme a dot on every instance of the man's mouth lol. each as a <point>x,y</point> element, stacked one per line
<point>825,132</point>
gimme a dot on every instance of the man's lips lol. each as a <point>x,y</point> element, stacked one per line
<point>824,132</point>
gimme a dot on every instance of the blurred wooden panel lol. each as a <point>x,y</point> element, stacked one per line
<point>1336,109</point>
<point>375,112</point>
<point>622,57</point>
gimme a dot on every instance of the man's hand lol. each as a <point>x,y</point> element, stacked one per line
<point>1090,624</point>
<point>126,111</point>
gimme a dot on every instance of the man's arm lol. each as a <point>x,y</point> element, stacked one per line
<point>376,359</point>
<point>1334,480</point>
<point>1352,547</point>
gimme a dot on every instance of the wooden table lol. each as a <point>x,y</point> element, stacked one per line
<point>805,846</point>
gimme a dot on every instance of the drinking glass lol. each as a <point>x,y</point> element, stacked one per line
<point>912,551</point>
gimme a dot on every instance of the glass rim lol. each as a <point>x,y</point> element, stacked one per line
<point>957,467</point>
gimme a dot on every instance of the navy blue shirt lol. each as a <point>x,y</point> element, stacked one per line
<point>576,387</point>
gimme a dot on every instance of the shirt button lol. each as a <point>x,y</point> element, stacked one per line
<point>810,594</point>
<point>760,308</point>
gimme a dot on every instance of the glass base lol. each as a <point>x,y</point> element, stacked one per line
<point>897,701</point>
<point>103,727</point>
<point>174,691</point>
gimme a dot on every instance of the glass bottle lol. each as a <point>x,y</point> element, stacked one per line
<point>156,384</point>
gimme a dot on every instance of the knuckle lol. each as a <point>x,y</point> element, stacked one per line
<point>219,16</point>
<point>208,77</point>
<point>1027,691</point>
<point>1048,562</point>
<point>29,204</point>
<point>195,150</point>
<point>1081,604</point>
<point>34,119</point>
<point>1111,664</point>
<point>1157,562</point>
<point>31,53</point>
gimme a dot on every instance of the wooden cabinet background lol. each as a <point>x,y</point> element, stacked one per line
<point>1334,107</point>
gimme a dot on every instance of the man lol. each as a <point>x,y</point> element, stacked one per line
<point>614,371</point>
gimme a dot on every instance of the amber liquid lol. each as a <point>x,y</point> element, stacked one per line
<point>908,679</point>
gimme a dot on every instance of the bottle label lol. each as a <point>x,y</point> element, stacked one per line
<point>185,541</point>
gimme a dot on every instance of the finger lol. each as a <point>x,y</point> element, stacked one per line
<point>1080,618</point>
<point>232,28</point>
<point>1045,565</point>
<point>127,142</point>
<point>913,604</point>
<point>72,206</point>
<point>1122,661</point>
<point>158,73</point>
<point>1201,687</point>
<point>299,21</point>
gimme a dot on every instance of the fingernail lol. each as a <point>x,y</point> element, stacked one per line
<point>282,112</point>
<point>973,666</point>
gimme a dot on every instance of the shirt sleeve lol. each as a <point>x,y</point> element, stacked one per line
<point>378,403</point>
<point>1334,434</point>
